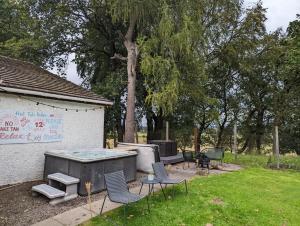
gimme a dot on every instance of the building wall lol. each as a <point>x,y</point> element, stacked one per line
<point>25,162</point>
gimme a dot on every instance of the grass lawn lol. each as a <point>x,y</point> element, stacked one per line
<point>253,196</point>
<point>292,162</point>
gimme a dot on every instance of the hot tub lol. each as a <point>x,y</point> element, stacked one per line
<point>166,147</point>
<point>90,165</point>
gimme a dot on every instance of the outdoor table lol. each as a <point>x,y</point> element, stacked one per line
<point>151,184</point>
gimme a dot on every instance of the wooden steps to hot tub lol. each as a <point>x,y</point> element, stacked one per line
<point>52,191</point>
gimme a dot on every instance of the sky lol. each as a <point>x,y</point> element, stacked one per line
<point>279,14</point>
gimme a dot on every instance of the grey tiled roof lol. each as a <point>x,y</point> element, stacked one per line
<point>27,76</point>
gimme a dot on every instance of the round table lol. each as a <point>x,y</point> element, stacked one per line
<point>151,184</point>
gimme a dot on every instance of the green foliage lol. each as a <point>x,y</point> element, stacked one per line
<point>204,64</point>
<point>169,58</point>
<point>19,34</point>
<point>290,104</point>
<point>122,10</point>
<point>183,137</point>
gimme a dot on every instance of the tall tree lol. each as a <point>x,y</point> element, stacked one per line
<point>127,19</point>
<point>133,13</point>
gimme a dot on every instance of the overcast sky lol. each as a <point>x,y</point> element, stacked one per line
<point>279,14</point>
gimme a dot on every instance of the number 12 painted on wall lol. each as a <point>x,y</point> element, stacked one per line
<point>39,124</point>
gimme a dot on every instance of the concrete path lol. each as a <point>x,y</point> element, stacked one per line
<point>82,214</point>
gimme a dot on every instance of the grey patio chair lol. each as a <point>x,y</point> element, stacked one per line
<point>118,191</point>
<point>161,174</point>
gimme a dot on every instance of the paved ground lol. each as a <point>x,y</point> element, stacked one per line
<point>83,213</point>
<point>190,168</point>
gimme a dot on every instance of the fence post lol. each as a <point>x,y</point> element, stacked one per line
<point>235,140</point>
<point>277,145</point>
<point>167,130</point>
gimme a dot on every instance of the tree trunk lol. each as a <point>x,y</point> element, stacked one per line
<point>251,144</point>
<point>220,134</point>
<point>119,125</point>
<point>132,54</point>
<point>158,126</point>
<point>199,140</point>
<point>130,119</point>
<point>104,139</point>
<point>259,130</point>
<point>120,131</point>
<point>222,125</point>
<point>136,133</point>
<point>150,127</point>
<point>155,125</point>
<point>196,140</point>
<point>248,141</point>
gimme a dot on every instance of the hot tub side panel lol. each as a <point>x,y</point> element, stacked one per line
<point>87,172</point>
<point>130,168</point>
<point>92,171</point>
<point>55,165</point>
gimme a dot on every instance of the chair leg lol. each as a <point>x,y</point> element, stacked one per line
<point>151,188</point>
<point>125,205</point>
<point>186,191</point>
<point>141,188</point>
<point>103,204</point>
<point>148,203</point>
<point>173,191</point>
<point>163,191</point>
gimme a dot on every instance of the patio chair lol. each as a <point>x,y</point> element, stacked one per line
<point>188,157</point>
<point>161,174</point>
<point>216,153</point>
<point>118,191</point>
<point>203,160</point>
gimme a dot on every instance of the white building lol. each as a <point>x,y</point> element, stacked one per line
<point>40,111</point>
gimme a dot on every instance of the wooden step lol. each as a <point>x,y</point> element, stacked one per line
<point>48,191</point>
<point>63,178</point>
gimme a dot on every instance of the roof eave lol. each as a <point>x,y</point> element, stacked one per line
<point>55,96</point>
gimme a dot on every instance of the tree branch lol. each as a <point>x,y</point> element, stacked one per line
<point>118,56</point>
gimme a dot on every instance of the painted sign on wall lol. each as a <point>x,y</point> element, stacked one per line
<point>17,127</point>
